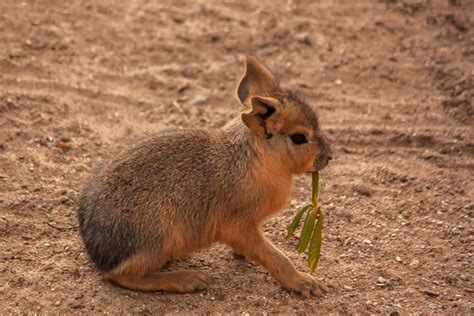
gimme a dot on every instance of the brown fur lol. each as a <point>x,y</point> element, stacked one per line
<point>181,190</point>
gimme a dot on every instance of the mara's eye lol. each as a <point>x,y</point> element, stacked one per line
<point>298,139</point>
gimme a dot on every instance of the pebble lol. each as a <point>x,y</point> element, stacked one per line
<point>367,241</point>
<point>304,38</point>
<point>57,303</point>
<point>76,305</point>
<point>330,206</point>
<point>199,100</point>
<point>430,293</point>
<point>456,231</point>
<point>464,277</point>
<point>398,259</point>
<point>184,87</point>
<point>415,263</point>
<point>346,242</point>
<point>382,280</point>
<point>62,145</point>
<point>362,189</point>
<point>338,82</point>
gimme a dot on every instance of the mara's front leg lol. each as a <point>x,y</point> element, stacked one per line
<point>250,242</point>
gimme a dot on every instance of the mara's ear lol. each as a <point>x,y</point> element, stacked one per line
<point>257,79</point>
<point>263,116</point>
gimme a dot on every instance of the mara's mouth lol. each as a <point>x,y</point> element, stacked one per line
<point>321,163</point>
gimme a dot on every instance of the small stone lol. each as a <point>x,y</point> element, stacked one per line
<point>464,277</point>
<point>430,293</point>
<point>456,231</point>
<point>183,87</point>
<point>398,259</point>
<point>57,303</point>
<point>329,207</point>
<point>62,145</point>
<point>338,82</point>
<point>382,280</point>
<point>346,242</point>
<point>414,263</point>
<point>16,54</point>
<point>215,38</point>
<point>304,38</point>
<point>178,19</point>
<point>78,296</point>
<point>362,189</point>
<point>450,279</point>
<point>367,241</point>
<point>76,305</point>
<point>428,156</point>
<point>63,200</point>
<point>199,100</point>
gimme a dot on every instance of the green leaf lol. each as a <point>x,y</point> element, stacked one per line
<point>307,230</point>
<point>315,187</point>
<point>315,245</point>
<point>296,220</point>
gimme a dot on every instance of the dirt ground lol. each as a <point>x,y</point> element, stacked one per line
<point>392,80</point>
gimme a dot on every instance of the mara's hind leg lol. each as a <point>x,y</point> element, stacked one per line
<point>179,281</point>
<point>139,273</point>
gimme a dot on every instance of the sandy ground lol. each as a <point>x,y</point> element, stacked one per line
<point>392,81</point>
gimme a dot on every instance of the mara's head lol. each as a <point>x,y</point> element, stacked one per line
<point>289,126</point>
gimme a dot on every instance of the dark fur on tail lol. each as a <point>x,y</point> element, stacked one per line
<point>107,243</point>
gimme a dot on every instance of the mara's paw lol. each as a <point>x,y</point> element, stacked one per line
<point>189,281</point>
<point>306,285</point>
